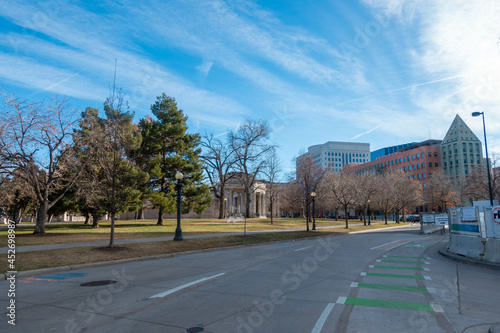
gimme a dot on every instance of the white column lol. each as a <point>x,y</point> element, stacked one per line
<point>262,204</point>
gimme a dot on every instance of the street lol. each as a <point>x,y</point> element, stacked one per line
<point>381,281</point>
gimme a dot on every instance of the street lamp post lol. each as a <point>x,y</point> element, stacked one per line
<point>313,196</point>
<point>369,213</point>
<point>178,187</point>
<point>477,114</point>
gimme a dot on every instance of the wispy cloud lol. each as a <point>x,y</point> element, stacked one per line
<point>404,88</point>
<point>364,133</point>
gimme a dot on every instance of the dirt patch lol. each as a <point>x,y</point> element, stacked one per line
<point>114,249</point>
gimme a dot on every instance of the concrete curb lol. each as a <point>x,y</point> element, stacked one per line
<point>43,271</point>
<point>36,272</point>
<point>494,329</point>
<point>469,261</point>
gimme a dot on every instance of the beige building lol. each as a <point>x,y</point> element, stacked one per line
<point>234,204</point>
<point>461,150</point>
<point>333,155</point>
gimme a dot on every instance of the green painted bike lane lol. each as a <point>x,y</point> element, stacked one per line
<point>395,285</point>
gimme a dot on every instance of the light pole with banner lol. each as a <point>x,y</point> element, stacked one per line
<point>313,196</point>
<point>178,187</point>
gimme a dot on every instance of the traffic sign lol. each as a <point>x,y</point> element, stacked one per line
<point>496,214</point>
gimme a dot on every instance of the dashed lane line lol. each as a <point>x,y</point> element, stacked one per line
<point>173,290</point>
<point>321,320</point>
<point>303,248</point>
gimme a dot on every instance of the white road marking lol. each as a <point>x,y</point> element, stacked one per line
<point>399,240</point>
<point>171,291</point>
<point>303,248</point>
<point>321,320</point>
<point>341,300</point>
<point>354,285</point>
<point>427,277</point>
<point>363,274</point>
<point>437,308</point>
<point>431,290</point>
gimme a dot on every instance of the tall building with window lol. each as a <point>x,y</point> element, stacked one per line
<point>388,150</point>
<point>461,150</point>
<point>334,155</point>
<point>416,162</point>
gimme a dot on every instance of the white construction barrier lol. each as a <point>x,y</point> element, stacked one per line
<point>492,250</point>
<point>467,246</point>
<point>475,232</point>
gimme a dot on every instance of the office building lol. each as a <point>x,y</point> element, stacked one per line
<point>461,150</point>
<point>388,150</point>
<point>334,155</point>
<point>417,161</point>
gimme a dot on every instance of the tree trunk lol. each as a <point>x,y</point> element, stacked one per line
<point>221,207</point>
<point>307,217</point>
<point>95,219</point>
<point>271,204</point>
<point>112,234</point>
<point>50,218</point>
<point>346,217</point>
<point>17,217</point>
<point>41,218</point>
<point>140,214</point>
<point>87,217</point>
<point>160,216</point>
<point>247,204</point>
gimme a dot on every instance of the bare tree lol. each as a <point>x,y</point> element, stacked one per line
<point>219,159</point>
<point>291,197</point>
<point>35,145</point>
<point>271,172</point>
<point>341,189</point>
<point>442,190</point>
<point>475,185</point>
<point>385,196</point>
<point>407,193</point>
<point>309,176</point>
<point>250,143</point>
<point>366,187</point>
<point>495,178</point>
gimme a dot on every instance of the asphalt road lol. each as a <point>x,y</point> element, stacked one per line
<point>383,281</point>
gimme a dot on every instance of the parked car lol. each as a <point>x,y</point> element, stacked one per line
<point>413,218</point>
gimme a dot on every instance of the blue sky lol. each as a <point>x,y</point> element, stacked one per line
<point>384,72</point>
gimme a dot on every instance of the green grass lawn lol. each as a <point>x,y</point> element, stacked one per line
<point>127,229</point>
<point>78,232</point>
